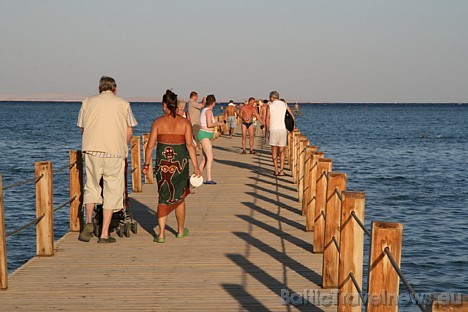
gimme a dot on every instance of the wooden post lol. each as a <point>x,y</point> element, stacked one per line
<point>303,142</point>
<point>295,137</point>
<point>136,164</point>
<point>297,152</point>
<point>76,189</point>
<point>3,251</point>
<point>149,178</point>
<point>292,148</point>
<point>323,166</point>
<point>351,252</point>
<point>45,208</point>
<point>383,284</point>
<point>312,195</point>
<point>288,149</point>
<point>308,153</point>
<point>331,252</point>
<point>449,302</point>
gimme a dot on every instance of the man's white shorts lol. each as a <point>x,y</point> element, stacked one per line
<point>279,137</point>
<point>112,170</point>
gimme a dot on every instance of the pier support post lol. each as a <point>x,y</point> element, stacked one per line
<point>76,189</point>
<point>308,153</point>
<point>303,142</point>
<point>384,281</point>
<point>292,165</point>
<point>351,252</point>
<point>3,255</point>
<point>323,167</point>
<point>44,209</point>
<point>149,178</point>
<point>136,164</point>
<point>331,251</point>
<point>312,195</point>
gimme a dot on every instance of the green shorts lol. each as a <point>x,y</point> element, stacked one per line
<point>203,134</point>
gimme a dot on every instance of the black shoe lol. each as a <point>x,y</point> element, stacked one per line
<point>108,240</point>
<point>87,233</point>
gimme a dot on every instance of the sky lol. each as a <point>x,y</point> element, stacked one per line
<point>309,50</point>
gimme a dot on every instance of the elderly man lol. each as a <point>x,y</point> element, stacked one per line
<point>106,122</point>
<point>278,132</point>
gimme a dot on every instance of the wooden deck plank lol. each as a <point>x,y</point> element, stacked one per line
<point>246,243</point>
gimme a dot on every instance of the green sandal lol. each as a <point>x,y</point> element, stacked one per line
<point>159,240</point>
<point>184,234</point>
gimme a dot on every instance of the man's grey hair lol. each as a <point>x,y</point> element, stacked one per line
<point>107,84</point>
<point>274,95</point>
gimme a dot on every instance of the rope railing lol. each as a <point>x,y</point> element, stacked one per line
<point>358,288</point>
<point>403,279</point>
<point>338,194</point>
<point>337,245</point>
<point>35,180</point>
<point>69,166</point>
<point>368,233</point>
<point>67,202</point>
<point>25,226</point>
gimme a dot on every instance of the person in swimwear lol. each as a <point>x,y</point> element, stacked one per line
<point>231,115</point>
<point>247,114</point>
<point>206,133</point>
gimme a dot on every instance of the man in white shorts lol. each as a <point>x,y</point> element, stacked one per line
<point>278,133</point>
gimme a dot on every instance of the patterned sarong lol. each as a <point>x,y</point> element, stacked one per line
<point>172,173</point>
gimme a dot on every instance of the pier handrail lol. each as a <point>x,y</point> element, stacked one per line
<point>45,210</point>
<point>320,193</point>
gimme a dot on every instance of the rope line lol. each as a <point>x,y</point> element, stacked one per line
<point>69,201</point>
<point>35,180</point>
<point>21,228</point>
<point>403,279</point>
<point>358,288</point>
<point>361,224</point>
<point>69,166</point>
<point>325,173</point>
<point>339,195</point>
<point>336,244</point>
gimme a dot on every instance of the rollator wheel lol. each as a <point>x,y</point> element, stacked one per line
<point>134,228</point>
<point>127,230</point>
<point>121,230</point>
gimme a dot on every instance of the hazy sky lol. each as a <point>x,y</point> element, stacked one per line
<point>309,50</point>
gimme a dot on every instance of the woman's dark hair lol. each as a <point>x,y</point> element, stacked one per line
<point>210,99</point>
<point>170,98</point>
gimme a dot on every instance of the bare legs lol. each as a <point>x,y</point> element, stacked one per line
<point>244,137</point>
<point>107,217</point>
<point>275,150</point>
<point>251,131</point>
<point>180,217</point>
<point>207,158</point>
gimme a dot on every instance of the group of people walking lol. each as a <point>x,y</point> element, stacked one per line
<point>107,122</point>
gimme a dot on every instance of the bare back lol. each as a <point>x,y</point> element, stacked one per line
<point>231,110</point>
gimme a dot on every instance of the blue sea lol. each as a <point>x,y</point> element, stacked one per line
<point>410,160</point>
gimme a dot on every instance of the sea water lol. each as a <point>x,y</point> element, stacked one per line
<point>409,159</point>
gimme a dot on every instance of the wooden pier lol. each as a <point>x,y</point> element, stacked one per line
<point>247,247</point>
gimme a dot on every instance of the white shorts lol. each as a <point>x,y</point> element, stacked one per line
<point>279,137</point>
<point>112,170</point>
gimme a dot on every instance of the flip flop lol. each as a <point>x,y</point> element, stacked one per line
<point>184,234</point>
<point>243,152</point>
<point>159,240</point>
<point>210,182</point>
<point>252,152</point>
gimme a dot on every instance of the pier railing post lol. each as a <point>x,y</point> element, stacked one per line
<point>294,148</point>
<point>312,195</point>
<point>136,164</point>
<point>383,284</point>
<point>149,178</point>
<point>324,166</point>
<point>303,142</point>
<point>309,151</point>
<point>331,251</point>
<point>44,209</point>
<point>297,152</point>
<point>76,189</point>
<point>351,252</point>
<point>3,254</point>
